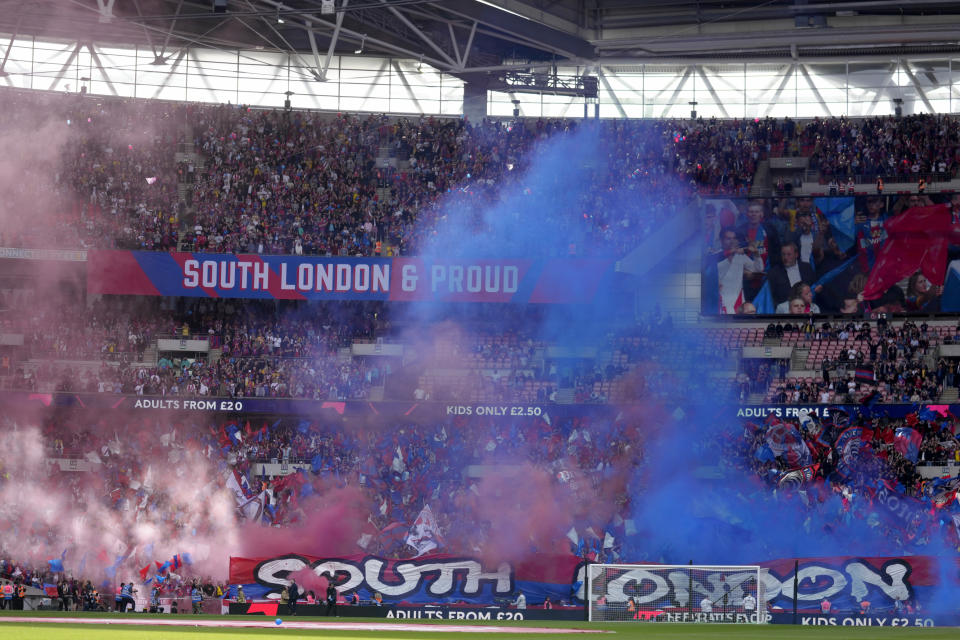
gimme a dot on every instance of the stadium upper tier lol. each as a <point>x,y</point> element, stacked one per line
<point>160,176</point>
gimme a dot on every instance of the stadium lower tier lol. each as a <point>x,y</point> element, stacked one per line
<point>143,491</point>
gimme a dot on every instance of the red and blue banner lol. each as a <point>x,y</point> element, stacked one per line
<point>848,582</point>
<point>434,578</point>
<point>887,583</point>
<point>146,273</point>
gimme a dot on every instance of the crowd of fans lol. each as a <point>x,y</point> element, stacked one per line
<point>399,467</point>
<point>835,466</point>
<point>251,350</point>
<point>903,149</point>
<point>104,174</point>
<point>854,362</point>
<point>309,183</point>
<point>318,184</point>
<point>314,184</point>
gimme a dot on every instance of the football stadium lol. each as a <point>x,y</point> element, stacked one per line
<point>508,318</point>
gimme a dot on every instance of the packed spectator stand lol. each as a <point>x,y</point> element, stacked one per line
<point>303,183</point>
<point>335,184</point>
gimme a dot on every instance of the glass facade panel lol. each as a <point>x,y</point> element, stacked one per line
<point>262,78</point>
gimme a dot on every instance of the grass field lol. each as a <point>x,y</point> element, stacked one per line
<point>611,631</point>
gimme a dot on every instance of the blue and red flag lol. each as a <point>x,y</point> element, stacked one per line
<point>907,441</point>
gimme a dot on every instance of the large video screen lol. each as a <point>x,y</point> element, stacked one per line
<point>852,255</point>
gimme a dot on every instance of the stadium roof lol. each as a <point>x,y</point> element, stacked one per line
<point>474,39</point>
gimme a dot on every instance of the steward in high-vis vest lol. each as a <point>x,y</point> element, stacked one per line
<point>6,602</point>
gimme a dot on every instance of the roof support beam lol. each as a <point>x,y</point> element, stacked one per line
<point>787,74</point>
<point>173,25</point>
<point>269,22</point>
<point>711,90</point>
<point>106,10</point>
<point>916,85</point>
<point>320,73</point>
<point>6,55</point>
<point>433,45</point>
<point>466,51</point>
<point>146,33</point>
<point>66,65</point>
<point>169,74</point>
<point>613,94</point>
<point>326,26</point>
<point>456,47</point>
<point>103,72</point>
<point>333,42</point>
<point>813,88</point>
<point>541,36</point>
<point>676,92</point>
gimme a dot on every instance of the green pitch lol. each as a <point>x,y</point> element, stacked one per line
<point>620,631</point>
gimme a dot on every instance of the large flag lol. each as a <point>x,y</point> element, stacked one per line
<point>785,440</point>
<point>840,214</point>
<point>852,450</point>
<point>252,509</point>
<point>424,535</point>
<point>250,505</point>
<point>907,442</point>
<point>917,239</point>
<point>239,486</point>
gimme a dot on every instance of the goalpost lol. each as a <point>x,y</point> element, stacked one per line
<point>675,593</point>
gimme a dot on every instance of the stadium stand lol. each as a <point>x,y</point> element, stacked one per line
<point>157,176</point>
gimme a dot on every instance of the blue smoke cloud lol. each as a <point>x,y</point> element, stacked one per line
<point>693,499</point>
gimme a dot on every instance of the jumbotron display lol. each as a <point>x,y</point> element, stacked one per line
<point>840,255</point>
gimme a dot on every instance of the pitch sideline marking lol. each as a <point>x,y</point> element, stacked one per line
<point>296,624</point>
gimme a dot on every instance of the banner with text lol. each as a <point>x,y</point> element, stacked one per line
<point>890,584</point>
<point>434,578</point>
<point>559,281</point>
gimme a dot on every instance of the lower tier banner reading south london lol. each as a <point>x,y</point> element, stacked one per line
<point>557,281</point>
<point>889,585</point>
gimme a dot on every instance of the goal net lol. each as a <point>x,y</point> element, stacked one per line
<point>675,593</point>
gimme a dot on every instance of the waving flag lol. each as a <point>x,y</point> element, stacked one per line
<point>946,492</point>
<point>932,412</point>
<point>798,477</point>
<point>251,509</point>
<point>424,535</point>
<point>840,214</point>
<point>785,441</point>
<point>763,301</point>
<point>918,241</point>
<point>112,569</point>
<point>852,450</point>
<point>238,485</point>
<point>907,442</point>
